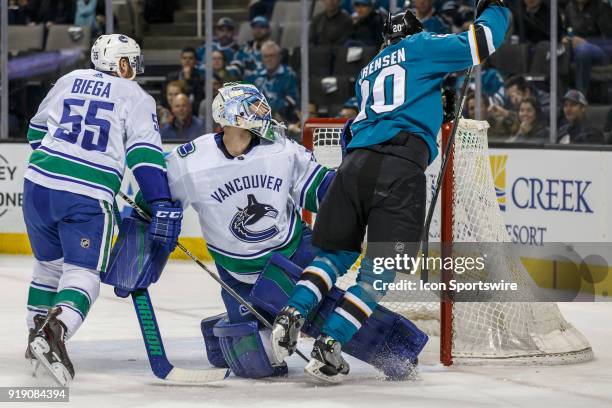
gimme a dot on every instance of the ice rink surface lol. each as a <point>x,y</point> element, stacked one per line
<point>113,371</point>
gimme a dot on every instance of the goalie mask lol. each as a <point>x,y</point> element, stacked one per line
<point>109,49</point>
<point>244,106</point>
<point>400,25</point>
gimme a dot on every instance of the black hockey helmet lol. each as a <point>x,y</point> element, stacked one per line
<point>400,25</point>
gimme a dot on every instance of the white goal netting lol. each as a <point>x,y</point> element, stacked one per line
<point>482,333</point>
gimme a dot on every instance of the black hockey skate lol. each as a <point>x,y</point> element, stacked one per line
<point>38,322</point>
<point>285,333</point>
<point>327,363</point>
<point>49,349</point>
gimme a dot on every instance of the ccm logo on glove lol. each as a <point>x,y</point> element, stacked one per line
<point>169,214</point>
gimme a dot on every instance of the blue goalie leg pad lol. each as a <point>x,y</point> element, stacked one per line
<point>211,342</point>
<point>386,340</point>
<point>135,261</point>
<point>244,348</point>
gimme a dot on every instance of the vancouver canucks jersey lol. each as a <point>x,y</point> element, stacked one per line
<point>248,206</point>
<point>400,89</point>
<point>87,128</point>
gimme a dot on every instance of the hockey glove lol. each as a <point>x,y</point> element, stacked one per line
<point>165,224</point>
<point>449,97</point>
<point>483,4</point>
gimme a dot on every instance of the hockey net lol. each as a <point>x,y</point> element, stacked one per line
<point>509,333</point>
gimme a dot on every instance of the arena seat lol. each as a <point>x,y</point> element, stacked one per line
<point>26,38</point>
<point>68,36</point>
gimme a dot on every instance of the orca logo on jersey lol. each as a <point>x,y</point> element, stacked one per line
<point>250,215</point>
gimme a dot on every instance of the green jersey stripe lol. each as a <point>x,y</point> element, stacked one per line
<point>312,201</point>
<point>65,167</point>
<point>237,265</point>
<point>35,135</point>
<point>145,155</point>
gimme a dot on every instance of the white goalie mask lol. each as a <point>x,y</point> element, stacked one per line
<point>109,49</point>
<point>244,106</point>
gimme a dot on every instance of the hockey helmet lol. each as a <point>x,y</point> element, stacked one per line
<point>244,106</point>
<point>109,49</point>
<point>400,25</point>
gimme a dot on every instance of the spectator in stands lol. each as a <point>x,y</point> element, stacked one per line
<point>517,88</point>
<point>194,80</point>
<point>224,41</point>
<point>248,58</point>
<point>19,13</point>
<point>164,111</point>
<point>577,128</point>
<point>426,13</point>
<point>313,110</point>
<point>367,25</point>
<point>91,13</point>
<point>463,19</point>
<point>350,109</point>
<point>277,82</point>
<point>222,70</point>
<point>532,21</point>
<point>589,28</point>
<point>185,125</point>
<point>502,124</point>
<point>49,12</point>
<point>332,26</point>
<point>532,128</point>
<point>216,85</point>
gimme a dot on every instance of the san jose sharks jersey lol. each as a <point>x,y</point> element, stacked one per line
<point>87,128</point>
<point>249,206</point>
<point>400,89</point>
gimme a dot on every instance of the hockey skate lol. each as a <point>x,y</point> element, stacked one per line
<point>327,363</point>
<point>38,322</point>
<point>49,350</point>
<point>286,333</point>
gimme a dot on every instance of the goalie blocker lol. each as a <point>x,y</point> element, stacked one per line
<point>387,341</point>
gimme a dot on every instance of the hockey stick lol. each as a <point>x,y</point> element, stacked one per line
<point>161,367</point>
<point>445,160</point>
<point>224,285</point>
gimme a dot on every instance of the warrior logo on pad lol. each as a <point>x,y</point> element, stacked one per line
<point>249,216</point>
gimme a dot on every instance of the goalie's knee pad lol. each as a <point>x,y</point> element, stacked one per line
<point>211,342</point>
<point>245,349</point>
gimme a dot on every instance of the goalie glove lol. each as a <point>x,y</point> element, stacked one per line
<point>165,224</point>
<point>483,4</point>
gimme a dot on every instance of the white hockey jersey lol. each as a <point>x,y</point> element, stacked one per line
<point>249,206</point>
<point>86,129</point>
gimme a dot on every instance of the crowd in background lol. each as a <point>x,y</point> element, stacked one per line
<point>516,106</point>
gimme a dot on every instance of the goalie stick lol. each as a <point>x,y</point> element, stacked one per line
<point>161,367</point>
<point>224,285</point>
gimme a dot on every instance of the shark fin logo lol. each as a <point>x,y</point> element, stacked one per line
<point>247,217</point>
<point>498,170</point>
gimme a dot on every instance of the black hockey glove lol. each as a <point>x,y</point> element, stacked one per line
<point>483,4</point>
<point>449,97</point>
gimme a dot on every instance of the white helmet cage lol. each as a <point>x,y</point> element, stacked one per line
<point>244,106</point>
<point>109,49</point>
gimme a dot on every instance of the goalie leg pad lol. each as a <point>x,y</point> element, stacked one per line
<point>136,261</point>
<point>386,340</point>
<point>211,342</point>
<point>244,347</point>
